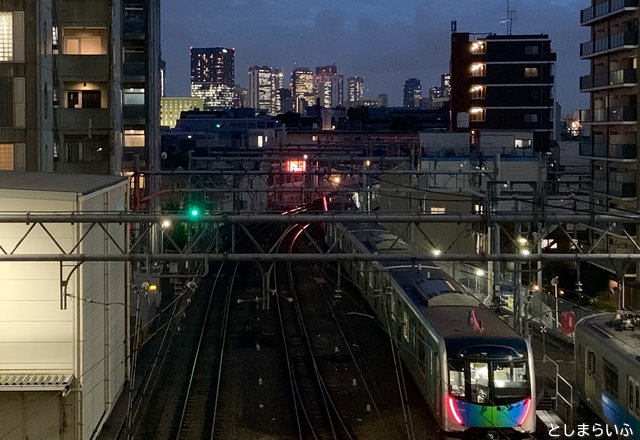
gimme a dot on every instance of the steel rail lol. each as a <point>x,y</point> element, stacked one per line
<point>415,259</point>
<point>128,217</point>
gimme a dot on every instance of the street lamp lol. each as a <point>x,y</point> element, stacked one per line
<point>479,273</point>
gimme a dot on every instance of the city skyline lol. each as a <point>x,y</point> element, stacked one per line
<point>385,43</point>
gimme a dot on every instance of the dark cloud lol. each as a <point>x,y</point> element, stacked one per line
<point>385,41</point>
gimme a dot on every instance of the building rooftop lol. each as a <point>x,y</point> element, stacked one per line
<point>57,182</point>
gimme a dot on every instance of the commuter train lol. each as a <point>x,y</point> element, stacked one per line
<point>607,352</point>
<point>474,371</point>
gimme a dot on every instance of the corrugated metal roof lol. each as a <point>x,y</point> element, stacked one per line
<point>73,183</point>
<point>46,381</point>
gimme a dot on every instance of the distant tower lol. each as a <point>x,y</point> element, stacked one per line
<point>302,88</point>
<point>329,86</point>
<point>264,89</point>
<point>212,76</point>
<point>412,93</point>
<point>355,88</point>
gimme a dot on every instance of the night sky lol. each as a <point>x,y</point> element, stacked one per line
<point>386,41</point>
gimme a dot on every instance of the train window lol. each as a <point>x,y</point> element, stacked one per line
<point>456,378</point>
<point>591,363</point>
<point>393,308</point>
<point>630,393</point>
<point>405,325</point>
<point>422,364</point>
<point>479,374</point>
<point>610,378</point>
<point>510,380</point>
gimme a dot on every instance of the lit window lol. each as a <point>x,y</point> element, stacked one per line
<point>477,114</point>
<point>133,96</point>
<point>82,41</point>
<point>6,157</point>
<point>134,138</point>
<point>523,143</point>
<point>296,166</point>
<point>477,92</point>
<point>478,69</point>
<point>478,47</point>
<point>530,72</point>
<point>6,36</point>
<point>438,210</point>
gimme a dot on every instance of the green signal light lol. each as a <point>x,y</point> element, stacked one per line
<point>194,212</point>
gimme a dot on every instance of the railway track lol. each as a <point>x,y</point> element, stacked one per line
<point>243,383</point>
<point>197,418</point>
<point>316,413</point>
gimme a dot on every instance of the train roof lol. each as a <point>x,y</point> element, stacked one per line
<point>618,331</point>
<point>460,318</point>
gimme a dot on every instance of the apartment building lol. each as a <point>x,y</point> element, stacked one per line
<point>612,84</point>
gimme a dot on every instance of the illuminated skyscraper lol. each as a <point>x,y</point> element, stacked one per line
<point>302,88</point>
<point>264,86</point>
<point>212,76</point>
<point>355,88</point>
<point>329,86</point>
<point>412,93</point>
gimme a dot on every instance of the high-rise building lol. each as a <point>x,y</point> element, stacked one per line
<point>93,85</point>
<point>329,86</point>
<point>302,92</point>
<point>75,77</point>
<point>612,85</point>
<point>438,95</point>
<point>355,88</point>
<point>412,93</point>
<point>277,83</point>
<point>171,108</point>
<point>212,76</point>
<point>141,88</point>
<point>445,84</point>
<point>503,82</point>
<point>262,89</point>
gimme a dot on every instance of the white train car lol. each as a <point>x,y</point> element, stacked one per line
<point>607,352</point>
<point>475,372</point>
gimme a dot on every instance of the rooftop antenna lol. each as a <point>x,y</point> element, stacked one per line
<point>511,16</point>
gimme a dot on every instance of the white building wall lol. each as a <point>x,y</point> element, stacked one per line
<point>35,334</point>
<point>103,314</point>
<point>88,339</point>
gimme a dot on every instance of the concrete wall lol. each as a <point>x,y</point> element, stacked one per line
<point>88,339</point>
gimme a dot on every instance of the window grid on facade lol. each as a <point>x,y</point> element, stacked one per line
<point>6,157</point>
<point>6,36</point>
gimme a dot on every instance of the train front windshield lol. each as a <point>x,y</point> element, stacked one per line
<point>489,382</point>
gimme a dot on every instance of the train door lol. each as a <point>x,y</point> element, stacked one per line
<point>633,397</point>
<point>437,383</point>
<point>590,376</point>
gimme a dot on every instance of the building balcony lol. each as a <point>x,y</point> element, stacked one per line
<point>83,67</point>
<point>134,30</point>
<point>91,13</point>
<point>614,79</point>
<point>606,9</point>
<point>133,71</point>
<point>610,115</point>
<point>84,119</point>
<point>134,114</point>
<point>611,151</point>
<point>620,40</point>
<point>623,190</point>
